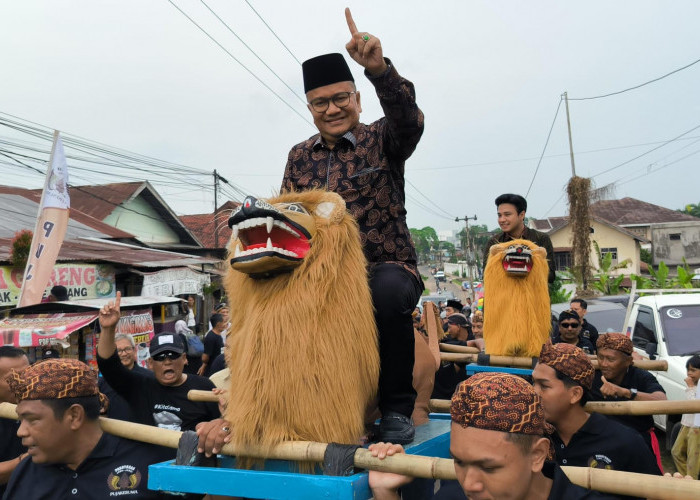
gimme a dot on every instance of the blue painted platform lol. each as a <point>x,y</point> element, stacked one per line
<point>276,482</point>
<point>473,368</point>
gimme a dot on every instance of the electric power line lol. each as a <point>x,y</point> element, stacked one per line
<point>303,101</point>
<point>239,62</point>
<point>549,134</point>
<point>636,86</point>
<point>273,32</point>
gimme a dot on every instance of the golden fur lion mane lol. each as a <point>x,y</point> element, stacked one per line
<point>516,310</point>
<point>302,349</point>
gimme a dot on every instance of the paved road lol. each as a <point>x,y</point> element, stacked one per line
<point>449,286</point>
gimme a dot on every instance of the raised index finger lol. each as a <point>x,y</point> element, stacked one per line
<point>351,23</point>
<point>118,300</point>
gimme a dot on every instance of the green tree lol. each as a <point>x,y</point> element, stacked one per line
<point>692,209</point>
<point>424,239</point>
<point>557,293</point>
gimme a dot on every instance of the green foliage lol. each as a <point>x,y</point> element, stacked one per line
<point>424,239</point>
<point>20,247</point>
<point>557,293</point>
<point>660,277</point>
<point>645,256</point>
<point>692,209</point>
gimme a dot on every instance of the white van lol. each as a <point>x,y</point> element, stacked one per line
<point>667,327</point>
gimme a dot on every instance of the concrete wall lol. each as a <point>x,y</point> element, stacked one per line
<point>685,243</point>
<point>606,237</point>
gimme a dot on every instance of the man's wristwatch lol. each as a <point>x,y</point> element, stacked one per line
<point>633,393</point>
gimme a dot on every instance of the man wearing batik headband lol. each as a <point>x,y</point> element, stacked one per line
<point>68,454</point>
<point>569,331</point>
<point>365,165</point>
<point>618,380</point>
<point>498,444</point>
<point>562,378</point>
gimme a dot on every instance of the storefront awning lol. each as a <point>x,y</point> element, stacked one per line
<point>34,330</point>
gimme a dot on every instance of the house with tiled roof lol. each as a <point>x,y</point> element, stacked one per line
<point>136,208</point>
<point>211,229</point>
<point>673,235</point>
<point>611,238</point>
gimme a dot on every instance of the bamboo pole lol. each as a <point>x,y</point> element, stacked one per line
<point>520,362</point>
<point>616,482</point>
<point>612,407</point>
<point>458,348</point>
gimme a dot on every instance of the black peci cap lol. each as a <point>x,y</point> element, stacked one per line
<point>325,70</point>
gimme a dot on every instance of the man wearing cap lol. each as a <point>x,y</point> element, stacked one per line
<point>365,165</point>
<point>450,373</point>
<point>618,380</point>
<point>563,378</point>
<point>498,443</point>
<point>160,400</point>
<point>69,455</point>
<point>453,307</point>
<point>569,332</point>
<point>11,450</point>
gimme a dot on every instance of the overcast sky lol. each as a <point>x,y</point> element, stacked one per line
<point>138,75</point>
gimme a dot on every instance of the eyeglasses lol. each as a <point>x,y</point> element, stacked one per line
<point>125,350</point>
<point>569,325</point>
<point>341,99</point>
<point>172,356</point>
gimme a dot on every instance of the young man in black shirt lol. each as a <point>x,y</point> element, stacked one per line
<point>213,344</point>
<point>69,454</point>
<point>563,378</point>
<point>498,443</point>
<point>160,400</point>
<point>588,331</point>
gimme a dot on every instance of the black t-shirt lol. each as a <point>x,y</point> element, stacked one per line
<point>213,347</point>
<point>156,404</point>
<point>589,332</point>
<point>637,378</point>
<point>118,407</point>
<point>583,343</point>
<point>116,468</point>
<point>602,443</point>
<point>10,445</point>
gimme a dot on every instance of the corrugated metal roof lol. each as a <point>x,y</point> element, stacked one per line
<point>96,250</point>
<point>134,302</point>
<point>23,206</point>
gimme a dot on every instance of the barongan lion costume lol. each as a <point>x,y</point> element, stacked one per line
<point>302,349</point>
<point>516,294</point>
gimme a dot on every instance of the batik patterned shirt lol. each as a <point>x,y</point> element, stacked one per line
<point>366,168</point>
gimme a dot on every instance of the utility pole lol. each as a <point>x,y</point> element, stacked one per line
<point>217,178</point>
<point>468,252</point>
<point>571,144</point>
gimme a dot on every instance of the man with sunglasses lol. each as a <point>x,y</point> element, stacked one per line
<point>570,332</point>
<point>160,399</point>
<point>365,165</point>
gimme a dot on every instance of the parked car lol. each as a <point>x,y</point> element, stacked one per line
<point>667,327</point>
<point>436,298</point>
<point>605,315</point>
<point>440,276</point>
